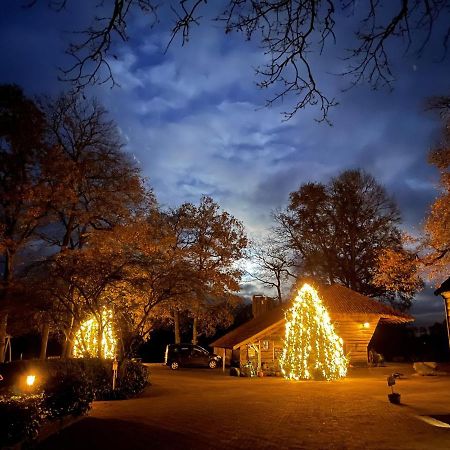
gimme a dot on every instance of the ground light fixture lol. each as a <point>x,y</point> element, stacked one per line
<point>30,381</point>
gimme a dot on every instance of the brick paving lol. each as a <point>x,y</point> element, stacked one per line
<point>202,409</point>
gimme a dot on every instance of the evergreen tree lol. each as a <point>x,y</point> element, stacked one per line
<point>312,349</point>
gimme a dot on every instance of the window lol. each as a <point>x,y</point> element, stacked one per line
<point>201,350</point>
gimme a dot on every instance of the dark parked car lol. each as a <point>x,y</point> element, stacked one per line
<point>190,355</point>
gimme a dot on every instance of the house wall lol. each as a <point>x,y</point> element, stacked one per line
<point>355,336</point>
<point>356,339</point>
<point>228,354</point>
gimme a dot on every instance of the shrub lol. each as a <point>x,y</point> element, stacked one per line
<point>133,378</point>
<point>132,375</point>
<point>68,393</point>
<point>68,388</point>
<point>21,418</point>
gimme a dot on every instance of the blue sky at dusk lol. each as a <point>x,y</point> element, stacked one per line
<point>195,121</point>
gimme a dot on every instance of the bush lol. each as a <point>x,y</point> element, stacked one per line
<point>67,387</point>
<point>68,394</point>
<point>21,418</point>
<point>132,375</point>
<point>133,378</point>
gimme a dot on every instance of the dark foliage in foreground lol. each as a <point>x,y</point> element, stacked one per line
<point>63,388</point>
<point>21,418</point>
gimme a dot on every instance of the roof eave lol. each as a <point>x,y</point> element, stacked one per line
<point>259,335</point>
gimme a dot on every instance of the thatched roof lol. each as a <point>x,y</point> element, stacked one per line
<point>339,301</point>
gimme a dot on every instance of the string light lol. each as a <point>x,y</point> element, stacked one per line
<point>312,349</point>
<point>86,338</point>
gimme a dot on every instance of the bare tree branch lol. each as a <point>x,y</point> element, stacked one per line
<point>289,32</point>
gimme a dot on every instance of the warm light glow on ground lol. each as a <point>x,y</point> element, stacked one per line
<point>312,349</point>
<point>86,339</point>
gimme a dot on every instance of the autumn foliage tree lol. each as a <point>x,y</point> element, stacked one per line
<point>70,191</point>
<point>437,222</point>
<point>94,184</point>
<point>212,243</point>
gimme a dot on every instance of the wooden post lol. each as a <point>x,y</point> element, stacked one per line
<point>259,356</point>
<point>115,366</point>
<point>446,297</point>
<point>8,348</point>
<point>3,324</point>
<point>223,359</point>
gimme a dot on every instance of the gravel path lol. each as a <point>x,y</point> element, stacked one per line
<point>202,409</point>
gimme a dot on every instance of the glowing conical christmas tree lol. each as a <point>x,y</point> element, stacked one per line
<point>312,349</point>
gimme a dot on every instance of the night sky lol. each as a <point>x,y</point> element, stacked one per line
<point>194,119</point>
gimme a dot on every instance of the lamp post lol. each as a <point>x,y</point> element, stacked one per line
<point>444,291</point>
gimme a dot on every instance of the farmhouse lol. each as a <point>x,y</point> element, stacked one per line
<point>355,318</point>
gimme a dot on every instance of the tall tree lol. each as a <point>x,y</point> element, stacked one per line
<point>437,222</point>
<point>94,183</point>
<point>339,229</point>
<point>213,242</point>
<point>23,194</point>
<point>97,182</point>
<point>429,253</point>
<point>296,37</point>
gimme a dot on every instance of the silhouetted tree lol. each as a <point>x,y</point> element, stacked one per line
<point>24,198</point>
<point>339,229</point>
<point>273,265</point>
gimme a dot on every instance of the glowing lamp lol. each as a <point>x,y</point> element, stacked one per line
<point>30,380</point>
<point>366,325</point>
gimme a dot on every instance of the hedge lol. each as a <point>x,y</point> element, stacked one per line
<point>62,388</point>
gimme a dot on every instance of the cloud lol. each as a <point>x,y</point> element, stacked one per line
<point>192,116</point>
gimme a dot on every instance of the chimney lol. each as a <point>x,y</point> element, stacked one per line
<point>261,304</point>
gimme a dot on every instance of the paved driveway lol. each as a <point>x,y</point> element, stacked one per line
<point>204,409</point>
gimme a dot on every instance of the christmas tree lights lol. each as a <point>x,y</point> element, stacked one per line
<point>86,338</point>
<point>312,349</point>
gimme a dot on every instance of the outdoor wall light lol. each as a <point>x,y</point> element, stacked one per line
<point>366,325</point>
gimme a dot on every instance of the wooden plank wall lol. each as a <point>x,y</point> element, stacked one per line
<point>228,354</point>
<point>355,336</point>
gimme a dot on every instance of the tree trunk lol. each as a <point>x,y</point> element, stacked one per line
<point>279,289</point>
<point>3,323</point>
<point>100,340</point>
<point>194,331</point>
<point>44,341</point>
<point>176,324</point>
<point>68,345</point>
<point>8,257</point>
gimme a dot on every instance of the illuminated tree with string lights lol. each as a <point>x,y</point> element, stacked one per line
<point>312,349</point>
